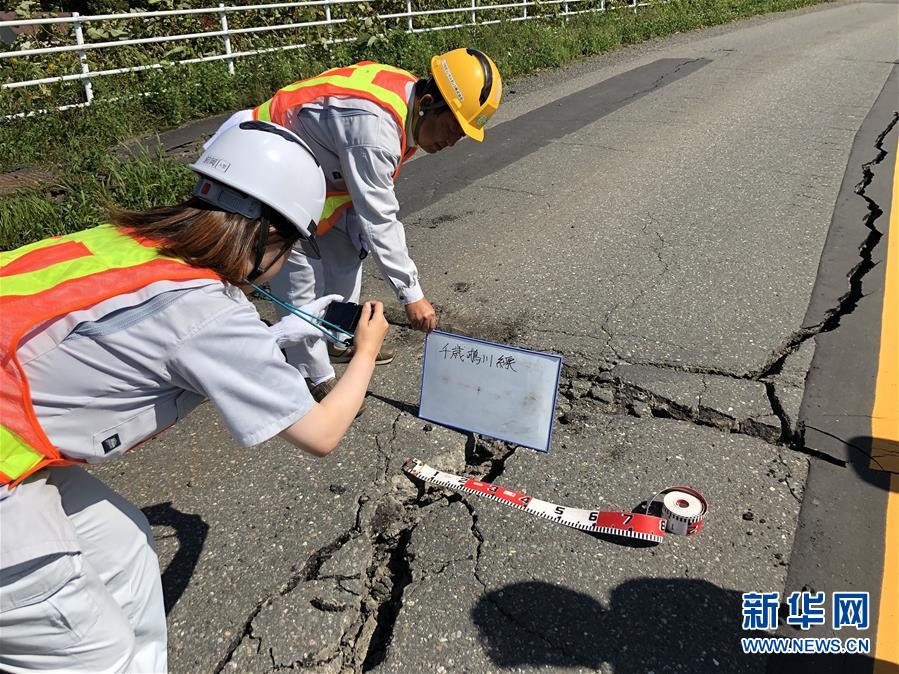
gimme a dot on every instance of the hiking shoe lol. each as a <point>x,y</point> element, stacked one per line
<point>339,355</point>
<point>319,391</point>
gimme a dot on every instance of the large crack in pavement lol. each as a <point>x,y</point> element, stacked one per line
<point>617,395</point>
<point>390,511</point>
<point>391,571</point>
<point>309,571</point>
<point>371,598</point>
<point>389,576</point>
<point>847,303</point>
<point>479,538</point>
<point>628,389</point>
<point>387,516</point>
<point>626,397</point>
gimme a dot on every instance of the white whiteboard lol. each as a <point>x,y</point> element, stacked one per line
<point>492,389</point>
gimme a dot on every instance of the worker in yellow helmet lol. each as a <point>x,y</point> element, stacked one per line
<point>362,122</point>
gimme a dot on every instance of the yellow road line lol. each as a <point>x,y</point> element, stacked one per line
<point>886,648</point>
<point>885,416</point>
<point>885,447</point>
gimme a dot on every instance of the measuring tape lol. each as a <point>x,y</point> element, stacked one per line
<point>682,508</point>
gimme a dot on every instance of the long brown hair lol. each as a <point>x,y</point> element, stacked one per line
<point>198,234</point>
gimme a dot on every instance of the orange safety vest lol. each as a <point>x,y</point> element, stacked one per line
<point>43,281</point>
<point>380,84</point>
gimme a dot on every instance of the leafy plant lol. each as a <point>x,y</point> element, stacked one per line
<point>83,146</point>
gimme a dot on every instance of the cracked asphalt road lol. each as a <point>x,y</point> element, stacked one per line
<point>657,216</point>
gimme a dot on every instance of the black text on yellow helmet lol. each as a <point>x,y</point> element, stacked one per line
<point>471,86</point>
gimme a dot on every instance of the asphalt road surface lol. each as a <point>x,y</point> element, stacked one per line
<point>657,217</point>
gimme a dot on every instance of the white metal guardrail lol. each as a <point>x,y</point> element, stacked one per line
<point>474,14</point>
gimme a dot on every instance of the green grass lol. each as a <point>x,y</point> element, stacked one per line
<point>80,200</point>
<point>82,147</point>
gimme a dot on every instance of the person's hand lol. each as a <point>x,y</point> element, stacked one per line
<point>422,315</point>
<point>371,330</point>
<point>292,329</point>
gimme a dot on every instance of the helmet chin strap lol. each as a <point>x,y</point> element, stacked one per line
<point>261,243</point>
<point>266,222</point>
<point>420,111</point>
<point>419,117</point>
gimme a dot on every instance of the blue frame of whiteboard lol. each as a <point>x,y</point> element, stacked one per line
<point>552,421</point>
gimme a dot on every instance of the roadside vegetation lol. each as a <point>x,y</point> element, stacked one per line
<point>81,153</point>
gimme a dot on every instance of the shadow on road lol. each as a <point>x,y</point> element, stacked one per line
<point>829,664</point>
<point>651,624</point>
<point>869,457</point>
<point>191,532</point>
<point>408,408</point>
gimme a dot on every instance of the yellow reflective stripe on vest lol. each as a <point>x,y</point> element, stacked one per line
<point>16,456</point>
<point>334,202</point>
<point>105,243</point>
<point>360,80</point>
<point>264,111</point>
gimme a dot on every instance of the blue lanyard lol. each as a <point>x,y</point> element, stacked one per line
<point>309,318</point>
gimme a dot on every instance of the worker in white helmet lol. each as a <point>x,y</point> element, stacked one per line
<point>111,335</point>
<point>363,122</point>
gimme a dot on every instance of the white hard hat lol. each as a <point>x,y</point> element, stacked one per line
<point>258,163</point>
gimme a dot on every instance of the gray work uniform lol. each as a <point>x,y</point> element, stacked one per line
<point>357,143</point>
<point>72,552</point>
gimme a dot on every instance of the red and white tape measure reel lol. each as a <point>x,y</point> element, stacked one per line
<point>682,508</point>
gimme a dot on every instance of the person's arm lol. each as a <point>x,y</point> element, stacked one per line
<point>231,358</point>
<point>368,174</point>
<point>321,429</point>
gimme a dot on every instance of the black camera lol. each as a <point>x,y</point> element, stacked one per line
<point>344,315</point>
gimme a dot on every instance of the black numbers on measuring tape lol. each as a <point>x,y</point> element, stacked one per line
<point>593,516</point>
<point>560,510</point>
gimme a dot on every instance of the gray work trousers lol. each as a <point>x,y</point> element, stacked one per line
<point>301,280</point>
<point>97,610</point>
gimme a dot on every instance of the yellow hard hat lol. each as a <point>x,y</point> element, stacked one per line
<point>471,86</point>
